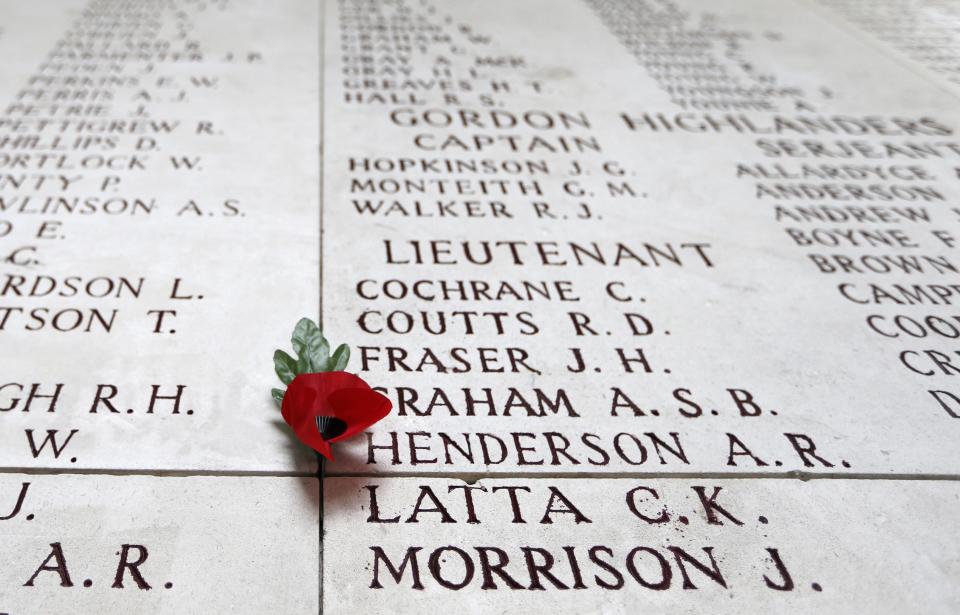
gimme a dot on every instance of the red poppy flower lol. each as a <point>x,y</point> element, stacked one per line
<point>329,406</point>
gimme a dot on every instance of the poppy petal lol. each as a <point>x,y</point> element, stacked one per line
<point>323,447</point>
<point>297,411</point>
<point>339,395</point>
<point>307,432</point>
<point>359,408</point>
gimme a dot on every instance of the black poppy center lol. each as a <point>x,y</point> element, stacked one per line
<point>330,427</point>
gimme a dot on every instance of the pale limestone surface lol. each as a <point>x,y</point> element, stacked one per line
<point>760,316</point>
<point>223,544</point>
<point>869,546</point>
<point>751,309</point>
<point>766,311</point>
<point>920,33</point>
<point>241,231</point>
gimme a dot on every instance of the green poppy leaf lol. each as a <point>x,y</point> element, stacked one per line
<point>340,358</point>
<point>312,348</point>
<point>285,366</point>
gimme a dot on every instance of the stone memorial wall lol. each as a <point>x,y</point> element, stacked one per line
<point>664,294</point>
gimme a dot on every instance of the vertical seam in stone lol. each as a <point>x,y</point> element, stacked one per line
<point>321,17</point>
